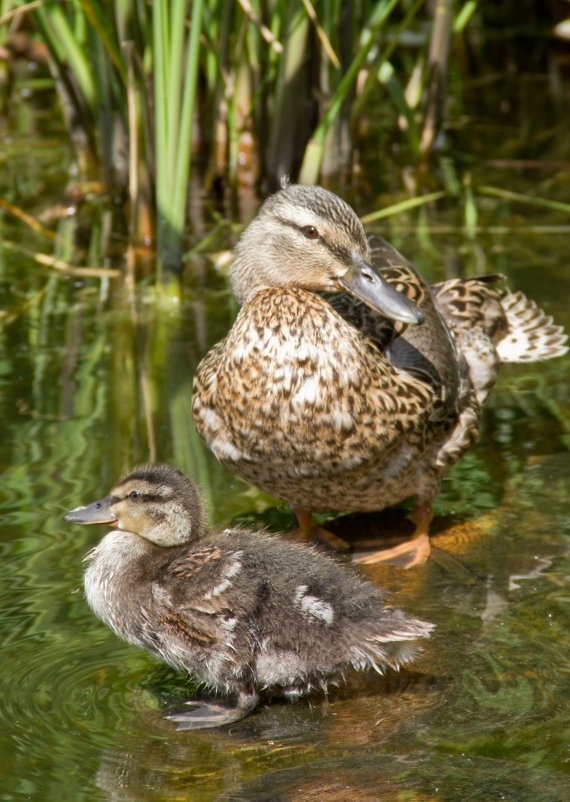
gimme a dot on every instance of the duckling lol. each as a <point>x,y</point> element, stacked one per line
<point>360,400</point>
<point>240,611</point>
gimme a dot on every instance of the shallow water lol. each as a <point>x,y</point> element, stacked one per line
<point>482,715</point>
<point>91,383</point>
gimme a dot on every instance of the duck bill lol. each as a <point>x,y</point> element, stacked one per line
<point>99,512</point>
<point>365,283</point>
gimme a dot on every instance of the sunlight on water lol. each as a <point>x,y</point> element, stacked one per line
<point>483,714</point>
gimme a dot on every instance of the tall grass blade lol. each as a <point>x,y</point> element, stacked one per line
<point>175,93</point>
<point>312,160</point>
<point>402,206</point>
<point>99,20</point>
<point>530,200</point>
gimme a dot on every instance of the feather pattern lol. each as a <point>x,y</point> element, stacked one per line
<point>492,325</point>
<point>323,401</point>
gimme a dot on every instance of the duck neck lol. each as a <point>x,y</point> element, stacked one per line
<point>246,278</point>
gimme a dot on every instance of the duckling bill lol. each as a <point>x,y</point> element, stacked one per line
<point>240,611</point>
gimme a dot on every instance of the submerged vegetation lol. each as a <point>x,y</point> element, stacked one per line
<point>167,101</point>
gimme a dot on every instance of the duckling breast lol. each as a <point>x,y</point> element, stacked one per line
<point>113,586</point>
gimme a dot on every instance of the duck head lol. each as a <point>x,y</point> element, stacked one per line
<point>157,502</point>
<point>305,236</point>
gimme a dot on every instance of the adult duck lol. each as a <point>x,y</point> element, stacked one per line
<point>357,401</point>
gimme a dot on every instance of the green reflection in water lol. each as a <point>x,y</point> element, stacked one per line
<point>90,387</point>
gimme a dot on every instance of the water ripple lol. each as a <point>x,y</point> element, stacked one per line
<point>49,688</point>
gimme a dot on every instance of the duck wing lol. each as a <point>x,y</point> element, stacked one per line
<point>531,335</point>
<point>425,351</point>
<point>190,601</point>
<point>198,578</point>
<point>493,325</point>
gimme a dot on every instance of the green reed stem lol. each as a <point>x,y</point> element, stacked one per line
<point>506,194</point>
<point>98,17</point>
<point>402,206</point>
<point>68,49</point>
<point>175,77</point>
<point>312,160</point>
<point>184,149</point>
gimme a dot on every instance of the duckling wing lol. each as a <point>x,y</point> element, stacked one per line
<point>198,578</point>
<point>189,602</point>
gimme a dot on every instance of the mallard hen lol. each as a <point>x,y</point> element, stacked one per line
<point>240,611</point>
<point>357,401</point>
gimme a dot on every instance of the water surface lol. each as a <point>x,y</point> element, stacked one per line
<point>92,382</point>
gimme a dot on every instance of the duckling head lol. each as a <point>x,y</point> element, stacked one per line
<point>305,236</point>
<point>157,502</point>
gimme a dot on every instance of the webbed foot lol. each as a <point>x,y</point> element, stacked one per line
<point>409,554</point>
<point>203,715</point>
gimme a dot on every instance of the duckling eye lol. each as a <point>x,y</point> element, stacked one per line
<point>134,494</point>
<point>310,232</point>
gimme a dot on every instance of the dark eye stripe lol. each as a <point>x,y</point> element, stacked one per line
<point>338,251</point>
<point>140,496</point>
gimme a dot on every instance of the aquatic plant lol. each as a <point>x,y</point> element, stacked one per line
<point>166,101</point>
<point>247,91</point>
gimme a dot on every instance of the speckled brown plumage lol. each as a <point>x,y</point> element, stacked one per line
<point>339,422</point>
<point>321,400</point>
<point>492,325</point>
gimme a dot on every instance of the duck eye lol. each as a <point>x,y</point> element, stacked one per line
<point>310,232</point>
<point>134,494</point>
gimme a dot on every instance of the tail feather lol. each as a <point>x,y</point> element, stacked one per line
<point>393,647</point>
<point>532,335</point>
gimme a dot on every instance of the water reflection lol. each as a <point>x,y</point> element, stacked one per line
<point>274,737</point>
<point>89,388</point>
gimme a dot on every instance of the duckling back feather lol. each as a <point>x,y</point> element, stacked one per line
<point>278,612</point>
